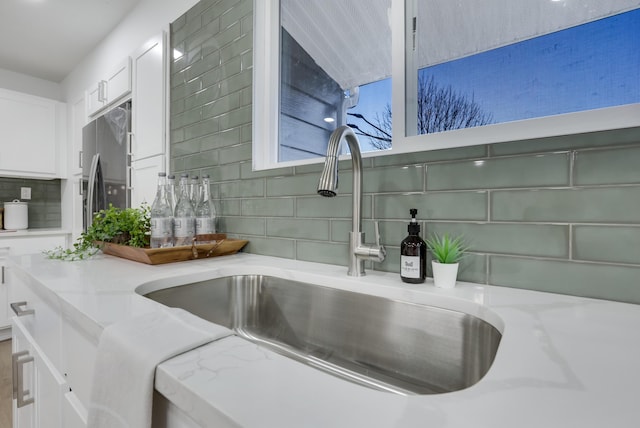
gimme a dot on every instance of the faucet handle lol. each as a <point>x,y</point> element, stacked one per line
<point>376,227</point>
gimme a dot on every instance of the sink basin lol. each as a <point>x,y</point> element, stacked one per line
<point>381,343</point>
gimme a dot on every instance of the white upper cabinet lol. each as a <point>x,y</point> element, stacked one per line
<point>148,120</point>
<point>32,131</point>
<point>111,88</point>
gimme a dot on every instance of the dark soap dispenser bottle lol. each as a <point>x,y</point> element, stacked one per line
<point>413,253</point>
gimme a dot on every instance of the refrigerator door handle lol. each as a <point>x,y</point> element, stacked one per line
<point>91,188</point>
<point>130,143</point>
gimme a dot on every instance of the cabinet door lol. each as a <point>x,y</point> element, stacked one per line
<point>95,97</point>
<point>29,134</point>
<point>23,416</point>
<point>119,81</point>
<point>37,381</point>
<point>78,118</point>
<point>144,179</point>
<point>4,295</point>
<point>148,120</point>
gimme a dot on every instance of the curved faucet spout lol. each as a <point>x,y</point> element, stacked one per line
<point>328,186</point>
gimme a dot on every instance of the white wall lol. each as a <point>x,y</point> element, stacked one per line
<point>30,85</point>
<point>146,20</point>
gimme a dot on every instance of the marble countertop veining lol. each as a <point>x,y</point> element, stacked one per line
<point>562,361</point>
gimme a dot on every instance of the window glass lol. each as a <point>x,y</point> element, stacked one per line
<point>584,67</point>
<point>335,68</point>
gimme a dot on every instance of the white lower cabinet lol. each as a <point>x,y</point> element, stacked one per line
<point>43,395</point>
<point>38,387</point>
<point>5,322</point>
<point>53,363</point>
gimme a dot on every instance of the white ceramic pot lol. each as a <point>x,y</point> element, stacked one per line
<point>444,274</point>
<point>16,215</point>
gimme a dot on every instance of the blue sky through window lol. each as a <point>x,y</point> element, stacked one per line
<point>586,67</point>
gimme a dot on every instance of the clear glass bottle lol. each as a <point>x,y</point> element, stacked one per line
<point>171,192</point>
<point>205,213</point>
<point>413,254</point>
<point>184,215</point>
<point>161,216</point>
<point>194,191</point>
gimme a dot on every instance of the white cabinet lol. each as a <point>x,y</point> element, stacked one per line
<point>148,116</point>
<point>51,358</point>
<point>77,120</point>
<point>38,387</point>
<point>144,179</point>
<point>5,322</point>
<point>32,131</point>
<point>110,89</point>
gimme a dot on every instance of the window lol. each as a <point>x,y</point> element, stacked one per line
<point>453,73</point>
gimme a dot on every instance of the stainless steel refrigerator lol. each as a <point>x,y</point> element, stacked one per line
<point>106,162</point>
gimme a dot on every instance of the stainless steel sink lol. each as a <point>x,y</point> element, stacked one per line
<point>381,343</point>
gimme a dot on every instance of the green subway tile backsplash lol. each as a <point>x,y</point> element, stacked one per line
<point>44,206</point>
<point>271,207</point>
<point>558,214</point>
<point>524,171</point>
<point>433,205</point>
<point>298,228</point>
<point>544,240</point>
<point>579,279</point>
<point>619,166</point>
<point>582,205</point>
<point>607,244</point>
<point>317,206</point>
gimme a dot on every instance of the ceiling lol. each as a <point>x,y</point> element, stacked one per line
<point>47,39</point>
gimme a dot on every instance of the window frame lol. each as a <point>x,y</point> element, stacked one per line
<point>266,103</point>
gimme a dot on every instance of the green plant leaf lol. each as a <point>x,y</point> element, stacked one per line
<point>446,249</point>
<point>128,226</point>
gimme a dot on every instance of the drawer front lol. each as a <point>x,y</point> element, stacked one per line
<point>38,317</point>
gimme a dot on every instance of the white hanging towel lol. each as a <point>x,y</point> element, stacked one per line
<point>128,353</point>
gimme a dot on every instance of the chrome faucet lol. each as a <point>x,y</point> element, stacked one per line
<point>328,186</point>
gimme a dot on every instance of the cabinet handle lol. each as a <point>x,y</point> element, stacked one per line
<point>2,275</point>
<point>16,306</point>
<point>19,392</point>
<point>80,159</point>
<point>102,91</point>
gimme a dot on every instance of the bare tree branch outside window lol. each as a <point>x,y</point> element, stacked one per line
<point>439,109</point>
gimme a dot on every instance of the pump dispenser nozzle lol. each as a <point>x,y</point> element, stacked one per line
<point>414,227</point>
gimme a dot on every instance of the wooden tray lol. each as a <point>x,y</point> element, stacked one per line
<point>156,256</point>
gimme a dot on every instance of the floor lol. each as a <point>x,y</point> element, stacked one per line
<point>5,384</point>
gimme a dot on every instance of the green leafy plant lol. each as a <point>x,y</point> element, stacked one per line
<point>446,249</point>
<point>128,226</point>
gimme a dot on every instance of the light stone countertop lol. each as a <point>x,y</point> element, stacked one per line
<point>563,361</point>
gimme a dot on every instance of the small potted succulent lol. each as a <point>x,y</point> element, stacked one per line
<point>447,252</point>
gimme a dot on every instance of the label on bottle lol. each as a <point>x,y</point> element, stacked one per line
<point>183,227</point>
<point>410,266</point>
<point>204,226</point>
<point>161,227</point>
